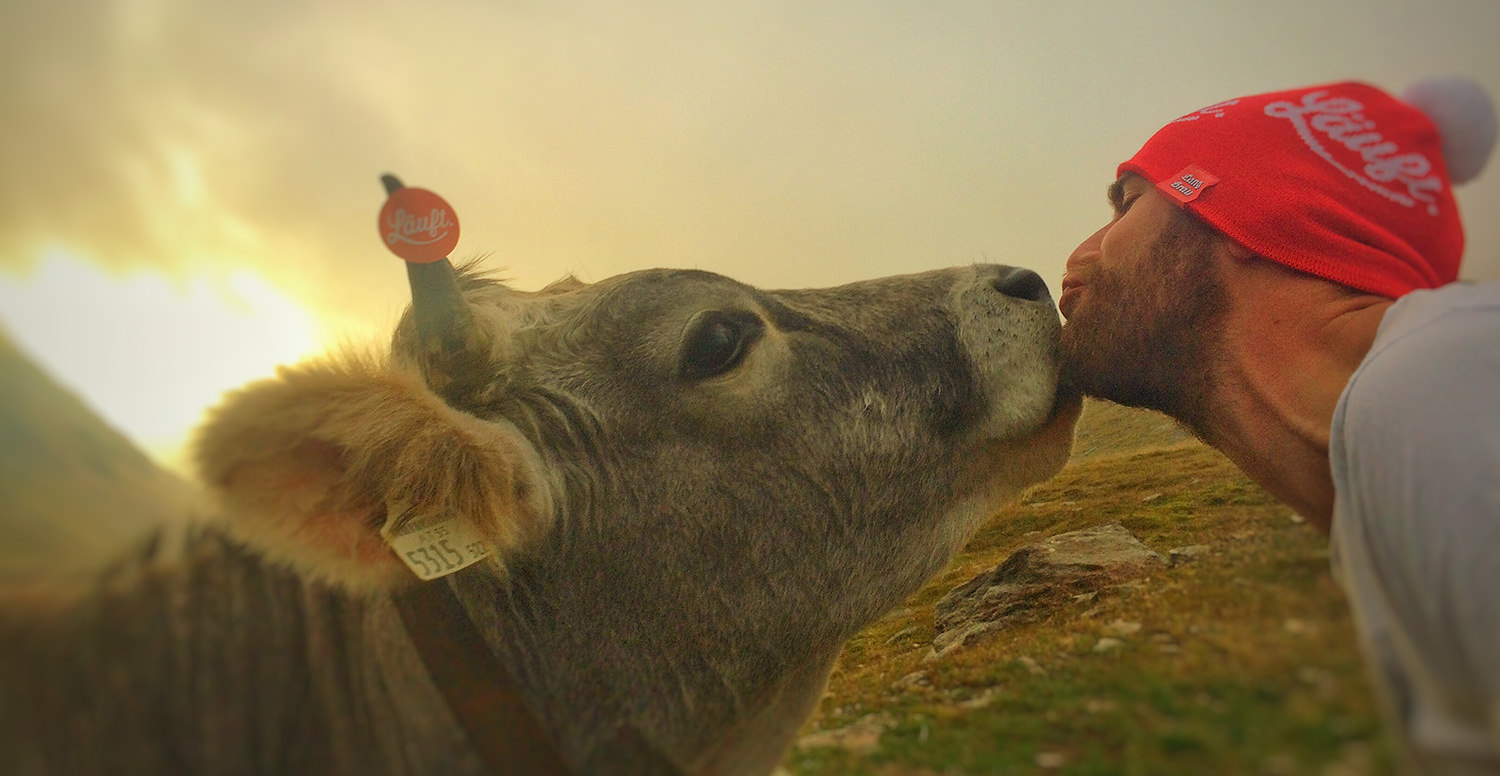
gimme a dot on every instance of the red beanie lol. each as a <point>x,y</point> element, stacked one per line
<point>1341,181</point>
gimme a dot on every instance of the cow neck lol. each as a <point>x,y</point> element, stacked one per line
<point>480,692</point>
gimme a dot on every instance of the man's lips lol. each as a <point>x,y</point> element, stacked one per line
<point>1071,287</point>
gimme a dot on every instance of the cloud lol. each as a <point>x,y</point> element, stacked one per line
<point>784,143</point>
<point>181,136</point>
<point>613,136</point>
<point>149,352</point>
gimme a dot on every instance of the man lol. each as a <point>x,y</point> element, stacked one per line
<point>1264,281</point>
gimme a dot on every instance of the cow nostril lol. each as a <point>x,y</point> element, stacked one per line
<point>1022,284</point>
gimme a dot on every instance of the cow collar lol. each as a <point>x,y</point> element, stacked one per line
<point>480,692</point>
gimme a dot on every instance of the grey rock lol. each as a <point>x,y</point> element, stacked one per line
<point>1108,644</point>
<point>861,736</point>
<point>1032,666</point>
<point>1036,580</point>
<point>979,700</point>
<point>913,681</point>
<point>1188,554</point>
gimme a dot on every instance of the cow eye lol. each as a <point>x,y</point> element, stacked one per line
<point>716,342</point>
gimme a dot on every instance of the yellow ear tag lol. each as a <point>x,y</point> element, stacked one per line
<point>438,549</point>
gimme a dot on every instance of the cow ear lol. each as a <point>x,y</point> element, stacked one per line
<point>312,467</point>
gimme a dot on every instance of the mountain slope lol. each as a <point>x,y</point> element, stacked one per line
<point>1106,428</point>
<point>73,491</point>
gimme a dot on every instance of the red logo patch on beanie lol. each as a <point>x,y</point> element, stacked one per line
<point>1185,186</point>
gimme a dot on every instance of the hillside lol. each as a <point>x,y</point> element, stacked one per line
<point>73,491</point>
<point>1106,428</point>
<point>1242,661</point>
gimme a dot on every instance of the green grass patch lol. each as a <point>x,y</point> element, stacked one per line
<point>1245,661</point>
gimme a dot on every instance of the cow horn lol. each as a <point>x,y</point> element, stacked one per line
<point>450,344</point>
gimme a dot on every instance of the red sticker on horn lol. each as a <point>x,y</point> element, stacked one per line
<point>418,225</point>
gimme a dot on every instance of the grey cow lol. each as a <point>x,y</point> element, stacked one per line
<point>693,493</point>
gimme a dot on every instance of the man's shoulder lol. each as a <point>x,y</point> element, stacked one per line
<point>1424,398</point>
<point>1460,305</point>
<point>1436,349</point>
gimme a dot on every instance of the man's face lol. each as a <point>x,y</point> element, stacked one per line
<point>1144,303</point>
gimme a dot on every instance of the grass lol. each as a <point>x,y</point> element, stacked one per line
<point>1244,661</point>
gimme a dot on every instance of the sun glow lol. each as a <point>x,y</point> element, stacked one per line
<point>147,352</point>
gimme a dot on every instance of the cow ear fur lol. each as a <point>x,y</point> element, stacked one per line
<point>306,465</point>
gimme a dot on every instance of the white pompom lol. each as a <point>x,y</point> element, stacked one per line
<point>1465,117</point>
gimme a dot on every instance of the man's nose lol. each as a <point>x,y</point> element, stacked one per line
<point>1090,245</point>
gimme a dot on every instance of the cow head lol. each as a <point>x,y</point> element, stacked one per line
<point>864,428</point>
<point>671,466</point>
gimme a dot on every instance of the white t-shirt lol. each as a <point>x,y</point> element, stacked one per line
<point>1415,453</point>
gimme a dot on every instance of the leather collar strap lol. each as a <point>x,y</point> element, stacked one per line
<point>478,689</point>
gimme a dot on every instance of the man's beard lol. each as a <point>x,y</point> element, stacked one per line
<point>1148,339</point>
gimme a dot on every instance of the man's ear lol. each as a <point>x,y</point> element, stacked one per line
<point>309,465</point>
<point>1233,249</point>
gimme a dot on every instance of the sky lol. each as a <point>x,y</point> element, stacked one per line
<point>191,188</point>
